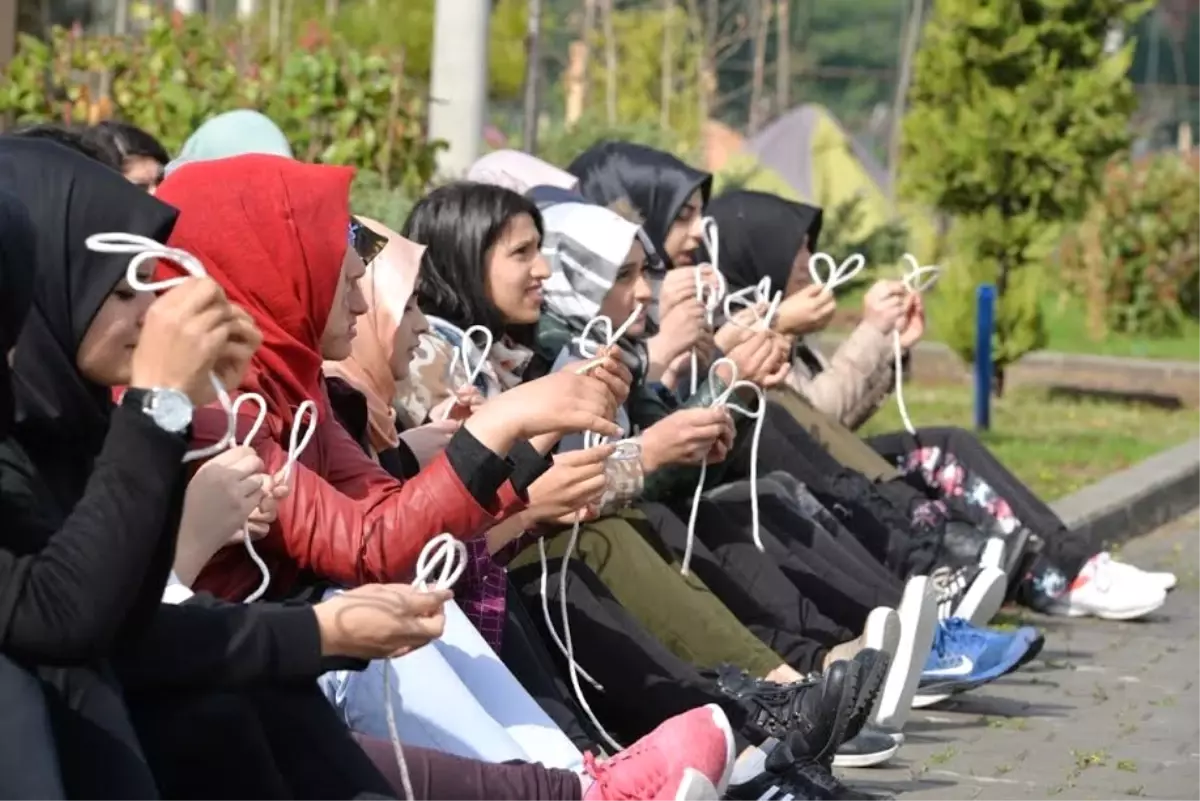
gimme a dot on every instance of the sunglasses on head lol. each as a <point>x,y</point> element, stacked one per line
<point>366,243</point>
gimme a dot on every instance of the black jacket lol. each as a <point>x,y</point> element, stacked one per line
<point>90,495</point>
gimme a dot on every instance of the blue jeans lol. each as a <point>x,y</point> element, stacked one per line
<point>456,696</point>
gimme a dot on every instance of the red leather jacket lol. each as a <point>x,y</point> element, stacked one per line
<point>346,519</point>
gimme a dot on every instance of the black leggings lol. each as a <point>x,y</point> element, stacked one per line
<point>28,753</point>
<point>818,558</point>
<point>644,683</point>
<point>1067,552</point>
<point>268,742</point>
<point>98,749</point>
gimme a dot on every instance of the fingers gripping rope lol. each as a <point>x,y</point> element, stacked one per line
<point>462,358</point>
<point>297,442</point>
<point>144,249</point>
<point>758,415</point>
<point>752,298</point>
<point>452,555</point>
<point>916,280</point>
<point>707,295</point>
<point>588,347</point>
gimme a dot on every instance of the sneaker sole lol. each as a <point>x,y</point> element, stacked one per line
<point>1064,610</point>
<point>882,631</point>
<point>722,722</point>
<point>695,786</point>
<point>918,620</point>
<point>869,687</point>
<point>984,597</point>
<point>845,712</point>
<point>866,760</point>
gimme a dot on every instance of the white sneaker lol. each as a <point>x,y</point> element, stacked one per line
<point>918,619</point>
<point>1159,577</point>
<point>882,631</point>
<point>976,598</point>
<point>1111,591</point>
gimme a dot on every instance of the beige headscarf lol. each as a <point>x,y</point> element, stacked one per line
<point>387,284</point>
<point>519,172</point>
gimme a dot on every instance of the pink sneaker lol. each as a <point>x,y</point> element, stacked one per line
<point>687,758</point>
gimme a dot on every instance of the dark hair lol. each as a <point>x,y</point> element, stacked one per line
<point>129,141</point>
<point>73,140</point>
<point>458,224</point>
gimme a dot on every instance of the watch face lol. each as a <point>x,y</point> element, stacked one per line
<point>171,409</point>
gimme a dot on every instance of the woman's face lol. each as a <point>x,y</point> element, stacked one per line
<point>144,172</point>
<point>630,288</point>
<point>408,338</point>
<point>799,277</point>
<point>684,235</point>
<point>516,271</point>
<point>348,304</point>
<point>105,355</point>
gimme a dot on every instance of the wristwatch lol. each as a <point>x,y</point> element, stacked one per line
<point>170,409</point>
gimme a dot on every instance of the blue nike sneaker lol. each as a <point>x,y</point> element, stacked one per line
<point>965,656</point>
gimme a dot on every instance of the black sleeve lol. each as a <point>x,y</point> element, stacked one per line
<point>68,601</point>
<point>480,470</point>
<point>400,461</point>
<point>208,644</point>
<point>528,466</point>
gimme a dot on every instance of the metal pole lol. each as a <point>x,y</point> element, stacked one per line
<point>985,308</point>
<point>459,82</point>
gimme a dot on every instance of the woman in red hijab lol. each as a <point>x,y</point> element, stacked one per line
<point>276,234</point>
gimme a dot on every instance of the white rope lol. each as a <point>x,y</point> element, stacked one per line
<point>296,445</point>
<point>758,415</point>
<point>916,281</point>
<point>750,299</point>
<point>462,359</point>
<point>452,555</point>
<point>835,274</point>
<point>589,349</point>
<point>708,295</point>
<point>144,249</point>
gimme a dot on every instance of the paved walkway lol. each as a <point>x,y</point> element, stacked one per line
<point>1109,710</point>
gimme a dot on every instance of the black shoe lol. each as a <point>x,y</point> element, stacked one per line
<point>869,748</point>
<point>816,781</point>
<point>873,668</point>
<point>775,782</point>
<point>817,708</point>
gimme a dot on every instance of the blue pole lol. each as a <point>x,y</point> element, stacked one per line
<point>985,308</point>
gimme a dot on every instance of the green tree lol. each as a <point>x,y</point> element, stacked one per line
<point>1015,107</point>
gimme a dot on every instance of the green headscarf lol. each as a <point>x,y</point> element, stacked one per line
<point>234,133</point>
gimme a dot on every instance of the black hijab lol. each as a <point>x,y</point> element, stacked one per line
<point>760,235</point>
<point>656,183</point>
<point>61,417</point>
<point>17,270</point>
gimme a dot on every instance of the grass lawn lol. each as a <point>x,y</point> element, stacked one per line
<point>1067,332</point>
<point>1056,445</point>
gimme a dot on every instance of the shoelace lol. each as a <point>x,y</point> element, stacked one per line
<point>297,442</point>
<point>758,415</point>
<point>709,297</point>
<point>461,358</point>
<point>588,347</point>
<point>143,249</point>
<point>917,280</point>
<point>452,555</point>
<point>949,585</point>
<point>751,298</point>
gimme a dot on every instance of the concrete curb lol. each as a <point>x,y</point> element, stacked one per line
<point>1137,500</point>
<point>1176,382</point>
